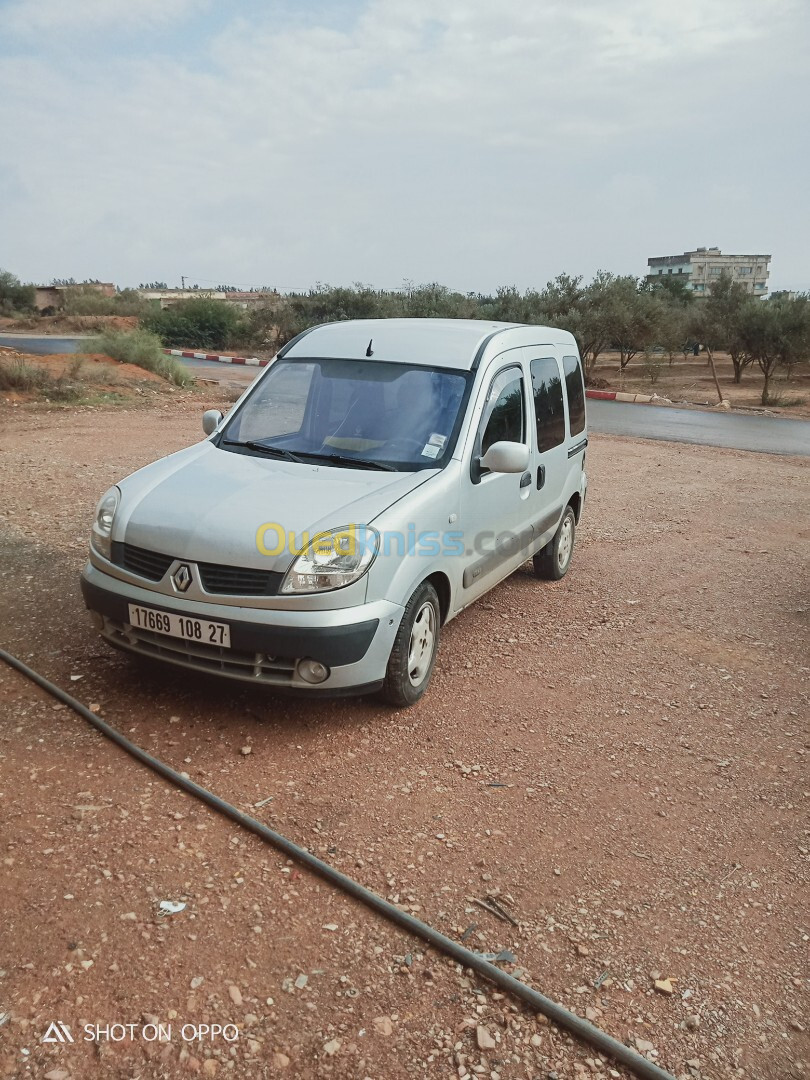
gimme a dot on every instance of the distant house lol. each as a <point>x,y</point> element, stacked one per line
<point>53,296</point>
<point>698,269</point>
<point>166,297</point>
<point>48,296</point>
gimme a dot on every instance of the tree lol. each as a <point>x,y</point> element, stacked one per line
<point>759,332</point>
<point>631,312</point>
<point>14,296</point>
<point>793,328</point>
<point>567,303</point>
<point>671,325</point>
<point>704,328</point>
<point>673,289</point>
<point>563,299</point>
<point>431,301</point>
<point>510,305</point>
<point>727,300</point>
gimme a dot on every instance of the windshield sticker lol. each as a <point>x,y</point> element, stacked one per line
<point>430,451</point>
<point>437,440</point>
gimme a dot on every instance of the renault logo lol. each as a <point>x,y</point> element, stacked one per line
<point>181,578</point>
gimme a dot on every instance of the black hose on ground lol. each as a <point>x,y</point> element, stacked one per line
<point>539,1003</point>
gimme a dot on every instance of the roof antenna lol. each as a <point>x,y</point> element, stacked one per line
<point>369,350</point>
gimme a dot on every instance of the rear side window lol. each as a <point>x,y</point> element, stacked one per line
<point>504,410</point>
<point>575,389</point>
<point>548,403</point>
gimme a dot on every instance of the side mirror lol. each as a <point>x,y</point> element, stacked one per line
<point>506,457</point>
<point>211,421</point>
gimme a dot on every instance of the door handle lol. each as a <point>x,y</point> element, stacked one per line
<point>525,480</point>
<point>541,476</point>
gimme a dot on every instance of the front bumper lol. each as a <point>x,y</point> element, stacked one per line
<point>354,643</point>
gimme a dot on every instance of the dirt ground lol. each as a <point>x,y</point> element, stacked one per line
<point>67,324</point>
<point>619,757</point>
<point>91,379</point>
<point>691,380</point>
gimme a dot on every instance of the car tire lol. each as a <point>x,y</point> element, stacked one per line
<point>551,562</point>
<point>410,664</point>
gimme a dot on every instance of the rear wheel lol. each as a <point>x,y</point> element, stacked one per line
<point>414,653</point>
<point>551,562</point>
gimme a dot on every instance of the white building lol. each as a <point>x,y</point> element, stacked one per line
<point>698,269</point>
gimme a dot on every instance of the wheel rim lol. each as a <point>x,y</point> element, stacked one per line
<point>566,543</point>
<point>422,644</point>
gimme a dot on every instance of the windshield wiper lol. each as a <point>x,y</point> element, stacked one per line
<point>263,448</point>
<point>362,463</point>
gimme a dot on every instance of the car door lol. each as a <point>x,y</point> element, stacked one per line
<point>493,506</point>
<point>550,466</point>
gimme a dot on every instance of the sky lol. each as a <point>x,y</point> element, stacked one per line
<point>470,143</point>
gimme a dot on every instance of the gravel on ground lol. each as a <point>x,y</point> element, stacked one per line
<point>618,758</point>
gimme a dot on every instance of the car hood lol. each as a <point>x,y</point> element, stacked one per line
<point>208,505</point>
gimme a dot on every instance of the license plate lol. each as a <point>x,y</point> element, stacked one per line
<point>180,626</point>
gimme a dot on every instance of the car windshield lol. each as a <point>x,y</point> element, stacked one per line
<point>351,413</point>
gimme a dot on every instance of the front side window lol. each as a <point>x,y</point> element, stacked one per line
<point>386,415</point>
<point>504,419</point>
<point>548,403</point>
<point>575,391</point>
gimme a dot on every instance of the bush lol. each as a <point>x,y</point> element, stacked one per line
<point>653,362</point>
<point>142,348</point>
<point>85,300</point>
<point>19,375</point>
<point>14,296</point>
<point>198,324</point>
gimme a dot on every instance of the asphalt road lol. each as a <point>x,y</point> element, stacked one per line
<point>763,434</point>
<point>40,346</point>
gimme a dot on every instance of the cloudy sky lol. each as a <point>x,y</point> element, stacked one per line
<point>469,142</point>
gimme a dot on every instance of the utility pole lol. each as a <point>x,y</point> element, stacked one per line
<point>183,282</point>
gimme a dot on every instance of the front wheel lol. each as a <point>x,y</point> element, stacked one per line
<point>551,562</point>
<point>414,653</point>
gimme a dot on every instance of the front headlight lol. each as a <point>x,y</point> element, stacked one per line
<point>102,526</point>
<point>333,560</point>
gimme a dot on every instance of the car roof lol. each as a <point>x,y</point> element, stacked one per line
<point>449,343</point>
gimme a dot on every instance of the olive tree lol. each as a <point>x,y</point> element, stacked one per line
<point>632,311</point>
<point>727,301</point>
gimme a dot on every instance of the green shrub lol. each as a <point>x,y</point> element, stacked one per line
<point>198,324</point>
<point>142,348</point>
<point>85,300</point>
<point>14,296</point>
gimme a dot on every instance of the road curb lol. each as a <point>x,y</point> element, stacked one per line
<point>618,395</point>
<point>248,361</point>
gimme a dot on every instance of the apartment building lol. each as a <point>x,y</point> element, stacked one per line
<point>698,269</point>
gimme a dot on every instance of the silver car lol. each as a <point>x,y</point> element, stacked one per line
<point>373,481</point>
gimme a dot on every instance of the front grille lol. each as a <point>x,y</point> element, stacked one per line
<point>251,667</point>
<point>239,581</point>
<point>222,580</point>
<point>148,564</point>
